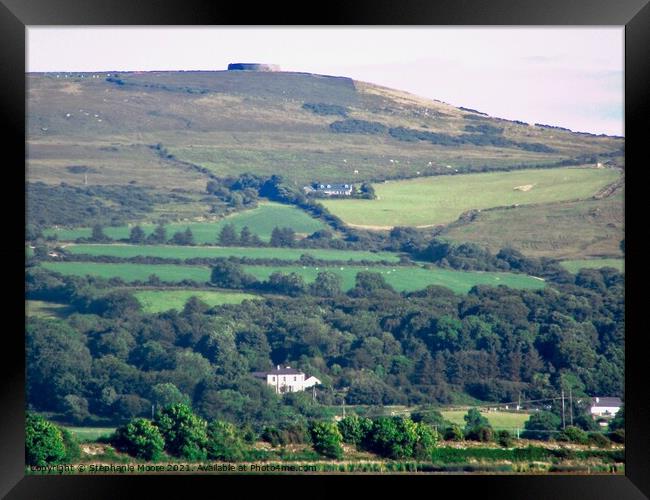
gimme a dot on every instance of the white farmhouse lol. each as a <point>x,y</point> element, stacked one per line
<point>605,407</point>
<point>287,379</point>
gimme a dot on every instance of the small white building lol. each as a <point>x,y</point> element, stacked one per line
<point>287,379</point>
<point>605,407</point>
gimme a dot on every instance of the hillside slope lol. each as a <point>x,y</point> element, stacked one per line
<point>303,126</point>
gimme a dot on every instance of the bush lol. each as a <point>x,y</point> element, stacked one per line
<point>540,425</point>
<point>354,429</point>
<point>504,439</point>
<point>326,439</point>
<point>185,433</point>
<point>393,437</point>
<point>43,442</point>
<point>224,442</point>
<point>72,448</point>
<point>618,436</point>
<point>575,435</point>
<point>427,439</point>
<point>140,438</point>
<point>482,433</point>
<point>598,439</point>
<point>453,433</point>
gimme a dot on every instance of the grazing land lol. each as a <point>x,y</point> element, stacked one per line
<point>45,309</point>
<point>565,230</point>
<point>235,122</point>
<point>260,221</point>
<point>442,199</point>
<point>400,277</point>
<point>574,266</point>
<point>132,272</point>
<point>497,419</point>
<point>155,301</point>
<point>90,434</point>
<point>189,252</point>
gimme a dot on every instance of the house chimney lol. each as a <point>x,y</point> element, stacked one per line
<point>278,367</point>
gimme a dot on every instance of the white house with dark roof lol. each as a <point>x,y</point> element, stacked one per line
<point>605,407</point>
<point>287,379</point>
<point>329,189</point>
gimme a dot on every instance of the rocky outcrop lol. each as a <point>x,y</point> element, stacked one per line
<point>252,67</point>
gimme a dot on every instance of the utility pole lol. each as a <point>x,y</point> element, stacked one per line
<point>152,409</point>
<point>519,404</point>
<point>344,407</point>
<point>563,421</point>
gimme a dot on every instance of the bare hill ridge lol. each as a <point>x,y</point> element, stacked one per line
<point>300,125</point>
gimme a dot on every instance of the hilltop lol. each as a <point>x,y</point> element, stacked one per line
<point>300,125</point>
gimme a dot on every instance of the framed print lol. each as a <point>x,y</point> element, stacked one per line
<point>387,244</point>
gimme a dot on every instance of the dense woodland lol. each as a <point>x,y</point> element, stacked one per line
<point>369,346</point>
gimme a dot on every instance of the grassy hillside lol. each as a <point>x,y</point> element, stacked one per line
<point>188,252</point>
<point>232,122</point>
<point>260,220</point>
<point>401,278</point>
<point>574,266</point>
<point>154,301</point>
<point>441,200</point>
<point>566,230</point>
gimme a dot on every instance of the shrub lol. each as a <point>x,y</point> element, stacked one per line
<point>427,439</point>
<point>393,437</point>
<point>453,433</point>
<point>618,436</point>
<point>140,438</point>
<point>326,439</point>
<point>483,433</point>
<point>224,442</point>
<point>539,424</point>
<point>575,435</point>
<point>72,448</point>
<point>354,429</point>
<point>185,433</point>
<point>43,442</point>
<point>598,439</point>
<point>504,439</point>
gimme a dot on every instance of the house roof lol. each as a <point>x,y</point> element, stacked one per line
<point>335,186</point>
<point>606,401</point>
<point>278,371</point>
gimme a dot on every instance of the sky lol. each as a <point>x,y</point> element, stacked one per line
<point>565,76</point>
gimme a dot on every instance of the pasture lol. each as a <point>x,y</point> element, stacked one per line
<point>402,278</point>
<point>497,419</point>
<point>567,230</point>
<point>438,200</point>
<point>189,252</point>
<point>155,301</point>
<point>90,434</point>
<point>573,266</point>
<point>260,221</point>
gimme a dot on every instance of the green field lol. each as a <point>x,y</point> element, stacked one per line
<point>400,277</point>
<point>131,272</point>
<point>442,199</point>
<point>260,220</point>
<point>567,231</point>
<point>573,266</point>
<point>89,434</point>
<point>44,309</point>
<point>188,252</point>
<point>498,419</point>
<point>154,301</point>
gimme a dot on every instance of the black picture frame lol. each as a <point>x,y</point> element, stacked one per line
<point>15,15</point>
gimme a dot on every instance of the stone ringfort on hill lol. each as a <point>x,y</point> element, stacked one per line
<point>252,67</point>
